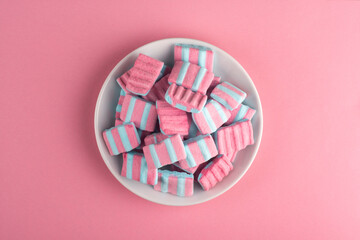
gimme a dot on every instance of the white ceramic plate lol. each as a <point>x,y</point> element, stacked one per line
<point>229,70</point>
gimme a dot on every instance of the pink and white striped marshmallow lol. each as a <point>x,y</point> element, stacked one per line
<point>121,138</point>
<point>172,120</point>
<point>177,183</point>
<point>214,172</point>
<point>191,76</point>
<point>200,55</point>
<point>185,99</point>
<point>228,95</point>
<point>134,167</point>
<point>166,152</point>
<point>139,111</point>
<point>241,113</point>
<point>198,150</point>
<point>234,137</point>
<point>143,75</point>
<point>211,117</point>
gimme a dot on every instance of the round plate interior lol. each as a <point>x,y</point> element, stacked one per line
<point>229,70</point>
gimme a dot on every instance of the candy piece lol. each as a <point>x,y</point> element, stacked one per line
<point>172,120</point>
<point>185,99</point>
<point>214,172</point>
<point>143,75</point>
<point>141,112</point>
<point>123,79</point>
<point>241,113</point>
<point>121,138</point>
<point>166,152</point>
<point>158,91</point>
<point>118,122</point>
<point>202,56</point>
<point>211,117</point>
<point>234,137</point>
<point>191,76</point>
<point>228,95</point>
<point>120,102</point>
<point>164,71</point>
<point>198,150</point>
<point>216,81</point>
<point>135,167</point>
<point>177,183</point>
<point>155,138</point>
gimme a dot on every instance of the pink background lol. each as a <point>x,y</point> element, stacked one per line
<point>303,57</point>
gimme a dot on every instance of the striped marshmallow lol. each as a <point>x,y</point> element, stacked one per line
<point>158,91</point>
<point>177,183</point>
<point>143,75</point>
<point>211,117</point>
<point>202,56</point>
<point>172,120</point>
<point>135,167</point>
<point>141,112</point>
<point>214,172</point>
<point>120,102</point>
<point>121,138</point>
<point>241,113</point>
<point>185,99</point>
<point>166,152</point>
<point>122,81</point>
<point>216,81</point>
<point>234,137</point>
<point>228,95</point>
<point>191,76</point>
<point>198,150</point>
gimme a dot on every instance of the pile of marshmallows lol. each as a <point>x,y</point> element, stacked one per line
<point>174,125</point>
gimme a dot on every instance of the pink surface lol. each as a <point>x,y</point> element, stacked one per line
<point>303,57</point>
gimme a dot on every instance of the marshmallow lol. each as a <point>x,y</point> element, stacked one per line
<point>139,111</point>
<point>135,167</point>
<point>234,137</point>
<point>200,55</point>
<point>198,150</point>
<point>143,75</point>
<point>228,95</point>
<point>185,99</point>
<point>214,172</point>
<point>121,138</point>
<point>191,76</point>
<point>166,152</point>
<point>241,113</point>
<point>172,120</point>
<point>177,183</point>
<point>211,117</point>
